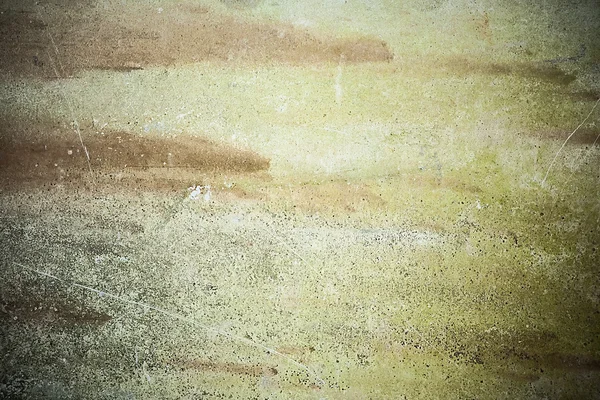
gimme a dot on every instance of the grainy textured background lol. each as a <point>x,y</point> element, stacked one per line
<point>313,199</point>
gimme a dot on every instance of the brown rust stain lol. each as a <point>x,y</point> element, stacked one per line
<point>118,159</point>
<point>292,350</point>
<point>583,137</point>
<point>180,34</point>
<point>537,71</point>
<point>54,312</point>
<point>482,26</point>
<point>583,95</point>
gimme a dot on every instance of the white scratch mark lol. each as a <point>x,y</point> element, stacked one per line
<point>563,145</point>
<point>64,95</point>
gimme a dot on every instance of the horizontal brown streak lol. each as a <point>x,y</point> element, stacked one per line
<point>117,159</point>
<point>198,34</point>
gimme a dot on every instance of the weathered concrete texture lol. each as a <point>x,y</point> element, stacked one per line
<point>340,199</point>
